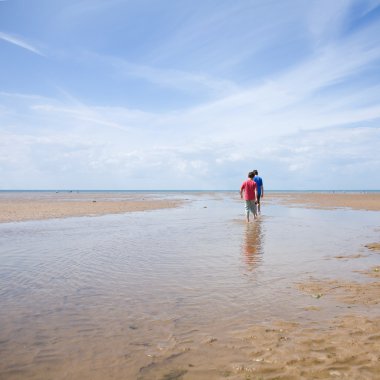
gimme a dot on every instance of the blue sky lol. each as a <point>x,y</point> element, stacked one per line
<point>171,94</point>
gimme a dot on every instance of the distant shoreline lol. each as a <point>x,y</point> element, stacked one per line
<point>181,191</point>
<point>39,205</point>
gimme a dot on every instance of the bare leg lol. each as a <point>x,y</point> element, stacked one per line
<point>247,211</point>
<point>254,210</point>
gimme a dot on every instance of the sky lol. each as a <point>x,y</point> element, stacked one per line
<point>183,94</point>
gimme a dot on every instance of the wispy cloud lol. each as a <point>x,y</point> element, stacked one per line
<point>185,81</point>
<point>15,40</point>
<point>182,148</point>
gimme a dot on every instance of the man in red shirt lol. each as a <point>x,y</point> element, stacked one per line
<point>249,188</point>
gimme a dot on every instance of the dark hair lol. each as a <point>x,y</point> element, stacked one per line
<point>251,174</point>
<point>255,172</point>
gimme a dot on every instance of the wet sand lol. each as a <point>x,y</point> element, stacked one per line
<point>348,292</point>
<point>38,206</point>
<point>344,348</point>
<point>373,246</point>
<point>340,346</point>
<point>356,201</point>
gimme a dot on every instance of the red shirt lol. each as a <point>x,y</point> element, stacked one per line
<point>249,186</point>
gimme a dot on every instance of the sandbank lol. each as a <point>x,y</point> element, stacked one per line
<point>15,207</point>
<point>373,246</point>
<point>328,200</point>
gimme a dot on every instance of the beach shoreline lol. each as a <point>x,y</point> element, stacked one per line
<point>329,200</point>
<point>22,206</point>
<point>17,207</point>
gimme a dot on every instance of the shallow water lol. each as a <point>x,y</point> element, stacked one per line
<point>118,296</point>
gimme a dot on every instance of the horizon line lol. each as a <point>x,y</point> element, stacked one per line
<point>177,190</point>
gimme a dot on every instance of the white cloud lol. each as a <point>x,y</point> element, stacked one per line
<point>314,115</point>
<point>20,43</point>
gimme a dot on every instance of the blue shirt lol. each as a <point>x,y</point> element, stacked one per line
<point>259,183</point>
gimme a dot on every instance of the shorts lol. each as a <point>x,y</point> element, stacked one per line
<point>258,198</point>
<point>250,206</point>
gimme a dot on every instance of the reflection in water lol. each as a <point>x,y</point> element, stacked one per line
<point>253,244</point>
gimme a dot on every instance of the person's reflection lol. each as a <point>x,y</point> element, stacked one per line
<point>252,247</point>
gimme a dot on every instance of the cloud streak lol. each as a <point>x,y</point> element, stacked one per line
<point>20,43</point>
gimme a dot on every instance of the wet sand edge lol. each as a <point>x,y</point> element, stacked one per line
<point>329,200</point>
<point>40,207</point>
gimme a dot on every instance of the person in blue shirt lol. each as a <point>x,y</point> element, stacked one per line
<point>260,189</point>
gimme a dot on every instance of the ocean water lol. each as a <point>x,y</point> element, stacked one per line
<point>115,295</point>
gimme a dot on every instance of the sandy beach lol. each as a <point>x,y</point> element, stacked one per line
<point>194,300</point>
<point>15,207</point>
<point>329,200</point>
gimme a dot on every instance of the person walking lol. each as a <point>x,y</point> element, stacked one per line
<point>260,189</point>
<point>249,188</point>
